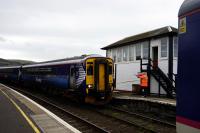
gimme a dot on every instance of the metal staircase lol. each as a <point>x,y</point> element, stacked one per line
<point>163,80</point>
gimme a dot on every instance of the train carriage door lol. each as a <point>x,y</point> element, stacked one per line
<point>101,77</point>
<point>101,72</point>
<point>72,77</point>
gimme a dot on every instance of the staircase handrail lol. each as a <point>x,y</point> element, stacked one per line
<point>169,81</point>
<point>154,68</point>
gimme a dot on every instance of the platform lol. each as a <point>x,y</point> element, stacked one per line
<point>153,99</point>
<point>22,115</point>
<point>150,104</point>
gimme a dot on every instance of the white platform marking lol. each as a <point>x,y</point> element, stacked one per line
<point>47,111</point>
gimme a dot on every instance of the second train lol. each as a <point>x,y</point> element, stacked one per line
<point>86,78</point>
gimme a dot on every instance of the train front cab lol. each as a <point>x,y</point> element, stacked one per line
<point>99,80</point>
<point>188,88</point>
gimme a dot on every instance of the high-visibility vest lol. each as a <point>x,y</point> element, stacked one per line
<point>143,80</point>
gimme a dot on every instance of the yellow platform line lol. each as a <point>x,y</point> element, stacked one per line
<point>22,112</point>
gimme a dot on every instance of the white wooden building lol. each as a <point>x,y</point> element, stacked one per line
<point>159,45</point>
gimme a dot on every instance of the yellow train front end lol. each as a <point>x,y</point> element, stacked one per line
<point>99,80</point>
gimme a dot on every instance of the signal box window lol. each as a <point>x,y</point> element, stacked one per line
<point>131,53</point>
<point>164,47</point>
<point>114,54</point>
<point>108,53</point>
<point>145,50</point>
<point>90,70</point>
<point>125,53</point>
<point>138,51</point>
<point>175,47</point>
<point>119,55</point>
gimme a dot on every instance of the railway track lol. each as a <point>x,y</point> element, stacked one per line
<point>81,124</point>
<point>90,119</point>
<point>165,113</point>
<point>148,123</point>
<point>170,124</point>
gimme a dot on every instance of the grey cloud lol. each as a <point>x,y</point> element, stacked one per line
<point>36,29</point>
<point>2,39</point>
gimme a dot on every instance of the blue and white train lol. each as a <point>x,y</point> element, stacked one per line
<point>87,78</point>
<point>188,87</point>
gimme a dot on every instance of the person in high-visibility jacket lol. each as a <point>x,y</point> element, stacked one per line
<point>143,83</point>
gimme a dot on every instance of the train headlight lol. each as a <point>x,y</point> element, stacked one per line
<point>90,86</point>
<point>102,98</point>
<point>110,85</point>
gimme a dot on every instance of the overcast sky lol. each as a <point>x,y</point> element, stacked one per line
<point>42,30</point>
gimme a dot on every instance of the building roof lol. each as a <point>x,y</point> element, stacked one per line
<point>143,36</point>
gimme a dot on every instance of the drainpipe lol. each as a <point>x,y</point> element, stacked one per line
<point>148,66</point>
<point>115,70</point>
<point>170,57</point>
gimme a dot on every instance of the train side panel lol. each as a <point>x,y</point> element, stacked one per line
<point>188,89</point>
<point>89,79</point>
<point>63,77</point>
<point>47,76</point>
<point>9,75</point>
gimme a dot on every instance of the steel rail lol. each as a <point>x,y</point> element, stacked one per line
<point>144,117</point>
<point>95,127</point>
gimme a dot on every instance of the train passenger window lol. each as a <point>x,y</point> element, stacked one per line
<point>90,70</point>
<point>90,63</point>
<point>72,71</point>
<point>110,70</point>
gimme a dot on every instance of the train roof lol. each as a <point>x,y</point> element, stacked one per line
<point>63,61</point>
<point>189,6</point>
<point>9,67</point>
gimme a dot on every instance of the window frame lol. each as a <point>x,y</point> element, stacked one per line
<point>138,44</point>
<point>147,44</point>
<point>90,70</point>
<point>114,52</point>
<point>127,53</point>
<point>175,37</point>
<point>109,53</point>
<point>167,45</point>
<point>119,54</point>
<point>131,50</point>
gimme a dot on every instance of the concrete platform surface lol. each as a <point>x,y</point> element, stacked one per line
<point>19,114</point>
<point>130,96</point>
<point>11,120</point>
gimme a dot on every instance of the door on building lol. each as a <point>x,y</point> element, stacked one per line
<point>155,56</point>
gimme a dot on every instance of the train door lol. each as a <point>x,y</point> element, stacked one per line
<point>101,72</point>
<point>72,77</point>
